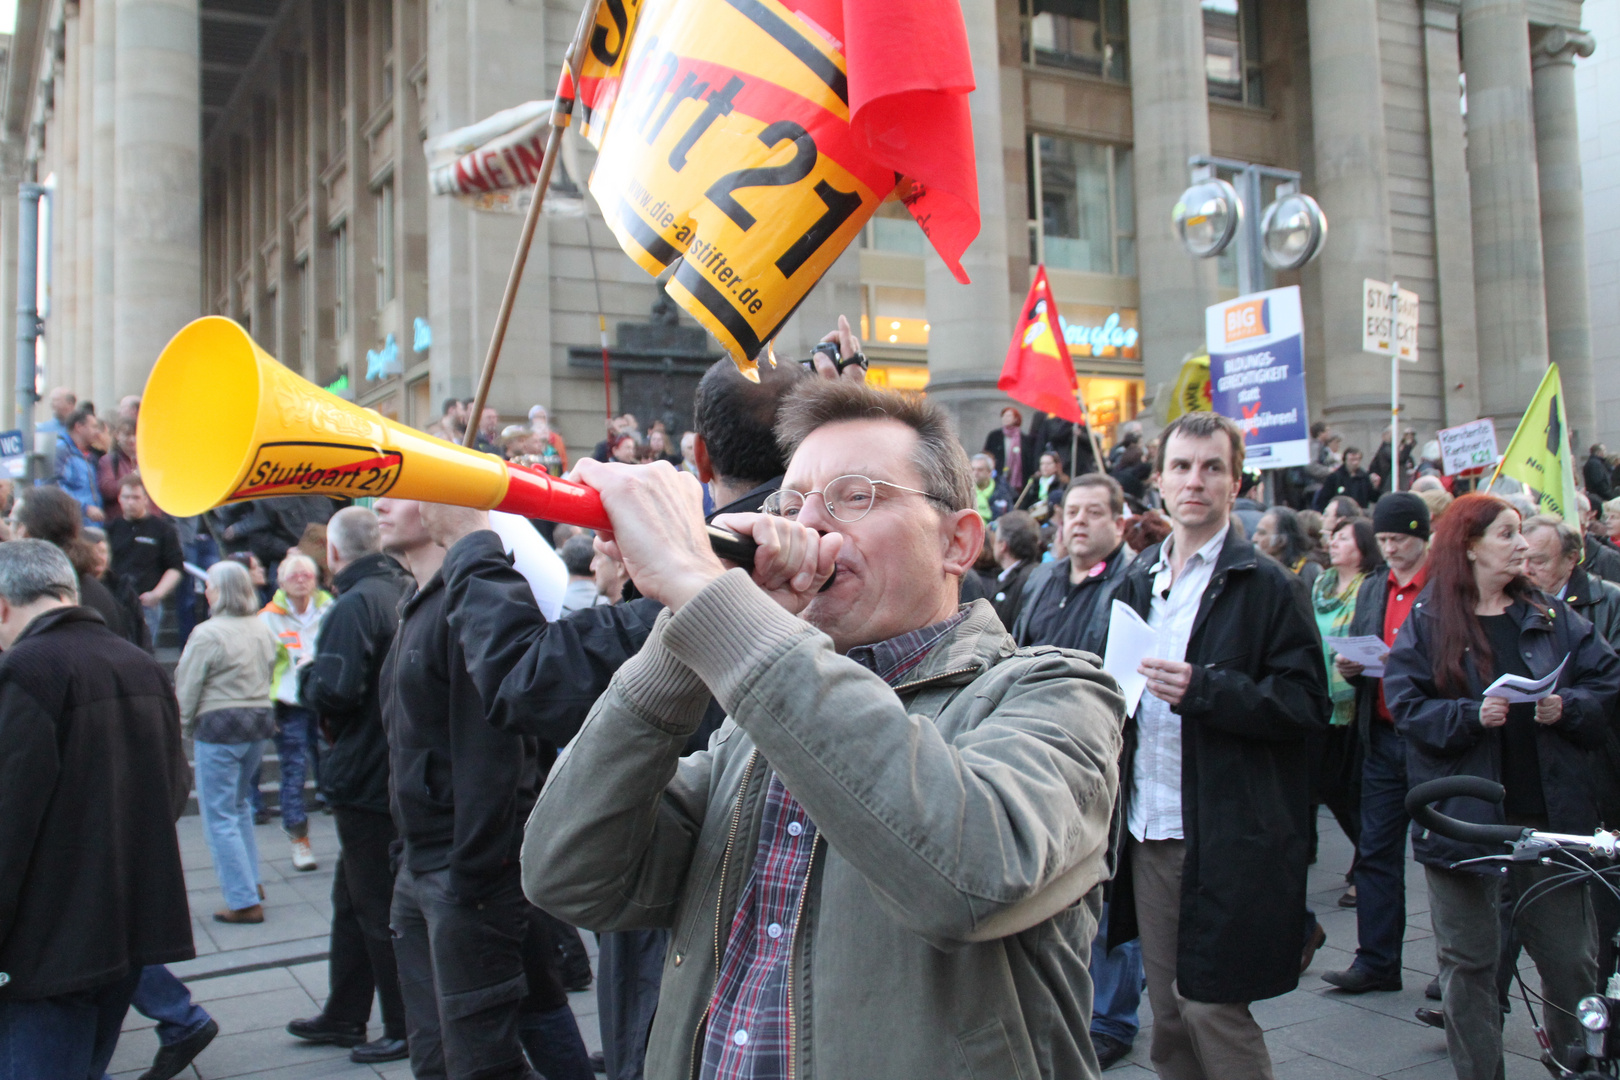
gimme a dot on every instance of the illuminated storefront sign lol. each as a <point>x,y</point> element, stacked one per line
<point>1109,339</point>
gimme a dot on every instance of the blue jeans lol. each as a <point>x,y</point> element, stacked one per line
<point>1381,857</point>
<point>226,774</point>
<point>68,1037</point>
<point>162,997</point>
<point>295,746</point>
<point>1116,977</point>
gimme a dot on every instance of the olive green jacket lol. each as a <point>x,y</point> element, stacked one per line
<point>963,826</point>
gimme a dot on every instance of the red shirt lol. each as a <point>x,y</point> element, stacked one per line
<point>1398,600</point>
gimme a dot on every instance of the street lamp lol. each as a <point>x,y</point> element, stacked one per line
<point>1291,230</point>
<point>1212,213</point>
<point>1207,216</point>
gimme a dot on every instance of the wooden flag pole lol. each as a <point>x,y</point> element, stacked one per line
<point>560,113</point>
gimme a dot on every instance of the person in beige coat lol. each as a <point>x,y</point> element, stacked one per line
<point>223,683</point>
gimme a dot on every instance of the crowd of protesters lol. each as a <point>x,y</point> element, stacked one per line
<point>831,815</point>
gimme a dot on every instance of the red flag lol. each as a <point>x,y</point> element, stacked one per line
<point>909,76</point>
<point>1038,370</point>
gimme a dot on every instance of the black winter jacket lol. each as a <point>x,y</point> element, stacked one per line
<point>92,780</point>
<point>1368,621</point>
<point>341,683</point>
<point>462,788</point>
<point>1258,695</point>
<point>1601,560</point>
<point>1445,738</point>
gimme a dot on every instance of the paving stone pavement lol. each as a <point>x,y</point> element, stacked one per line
<point>253,979</point>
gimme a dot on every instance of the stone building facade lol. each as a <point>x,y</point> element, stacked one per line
<point>262,159</point>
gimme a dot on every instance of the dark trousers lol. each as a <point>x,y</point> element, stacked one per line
<point>1381,855</point>
<point>68,1037</point>
<point>480,985</point>
<point>362,961</point>
<point>629,968</point>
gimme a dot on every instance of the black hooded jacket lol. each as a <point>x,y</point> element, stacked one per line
<point>1445,738</point>
<point>341,683</point>
<point>92,779</point>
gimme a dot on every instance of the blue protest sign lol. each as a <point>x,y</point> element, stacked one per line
<point>1257,374</point>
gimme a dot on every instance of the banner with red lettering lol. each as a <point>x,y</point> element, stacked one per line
<point>492,164</point>
<point>733,138</point>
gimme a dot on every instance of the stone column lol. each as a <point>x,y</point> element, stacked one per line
<point>1508,277</point>
<point>1170,107</point>
<point>102,228</point>
<point>1453,242</point>
<point>157,197</point>
<point>1352,170</point>
<point>969,325</point>
<point>1563,222</point>
<point>82,263</point>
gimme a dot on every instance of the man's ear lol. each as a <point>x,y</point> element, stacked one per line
<point>963,533</point>
<point>700,458</point>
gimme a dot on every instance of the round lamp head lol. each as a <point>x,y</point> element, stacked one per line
<point>1292,232</point>
<point>1207,217</point>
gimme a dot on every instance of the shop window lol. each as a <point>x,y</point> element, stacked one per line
<point>1082,206</point>
<point>1232,51</point>
<point>1086,36</point>
<point>893,228</point>
<point>895,316</point>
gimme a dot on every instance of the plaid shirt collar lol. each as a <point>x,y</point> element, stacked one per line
<point>894,659</point>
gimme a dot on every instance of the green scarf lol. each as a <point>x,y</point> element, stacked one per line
<point>1334,611</point>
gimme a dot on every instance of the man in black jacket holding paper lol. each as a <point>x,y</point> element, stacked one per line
<point>1215,775</point>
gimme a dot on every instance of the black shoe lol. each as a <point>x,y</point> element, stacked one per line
<point>1317,939</point>
<point>576,981</point>
<point>1348,898</point>
<point>1432,991</point>
<point>379,1050</point>
<point>171,1060</point>
<point>323,1029</point>
<point>1433,1017</point>
<point>1110,1051</point>
<point>598,1064</point>
<point>1356,980</point>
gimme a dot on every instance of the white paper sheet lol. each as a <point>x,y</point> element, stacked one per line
<point>1130,641</point>
<point>1364,649</point>
<point>534,558</point>
<point>1518,689</point>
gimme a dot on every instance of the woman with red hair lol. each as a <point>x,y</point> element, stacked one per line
<point>1480,618</point>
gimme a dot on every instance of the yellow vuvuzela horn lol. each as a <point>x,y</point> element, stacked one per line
<point>222,421</point>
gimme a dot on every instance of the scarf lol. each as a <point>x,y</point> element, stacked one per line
<point>1334,611</point>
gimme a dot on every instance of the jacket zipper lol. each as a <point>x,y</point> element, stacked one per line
<point>720,900</point>
<point>936,678</point>
<point>798,916</point>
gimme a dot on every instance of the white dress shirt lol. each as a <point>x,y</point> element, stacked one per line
<point>1155,809</point>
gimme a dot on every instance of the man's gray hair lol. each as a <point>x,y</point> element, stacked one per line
<point>33,569</point>
<point>940,461</point>
<point>1570,542</point>
<point>353,532</point>
<point>233,589</point>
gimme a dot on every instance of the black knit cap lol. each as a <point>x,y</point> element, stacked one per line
<point>1402,512</point>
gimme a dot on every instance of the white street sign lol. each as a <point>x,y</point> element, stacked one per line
<point>1375,321</point>
<point>1467,446</point>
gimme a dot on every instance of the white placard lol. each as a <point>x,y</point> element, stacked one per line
<point>1468,446</point>
<point>1375,322</point>
<point>1130,641</point>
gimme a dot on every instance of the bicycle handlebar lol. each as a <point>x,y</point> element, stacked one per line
<point>1468,832</point>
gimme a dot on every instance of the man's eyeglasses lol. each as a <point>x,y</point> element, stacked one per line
<point>848,498</point>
